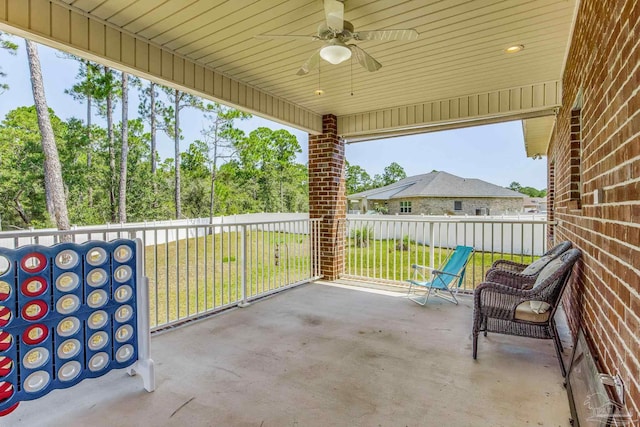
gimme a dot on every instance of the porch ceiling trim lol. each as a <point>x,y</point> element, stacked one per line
<point>518,103</point>
<point>64,27</point>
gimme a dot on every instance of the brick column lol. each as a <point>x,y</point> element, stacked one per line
<point>327,198</point>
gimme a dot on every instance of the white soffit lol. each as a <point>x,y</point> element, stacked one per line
<point>537,135</point>
<point>209,47</point>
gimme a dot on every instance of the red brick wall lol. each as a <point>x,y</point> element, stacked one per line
<point>604,297</point>
<point>327,197</point>
<point>551,197</point>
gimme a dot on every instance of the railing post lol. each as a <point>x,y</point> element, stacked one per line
<point>432,252</point>
<point>243,269</point>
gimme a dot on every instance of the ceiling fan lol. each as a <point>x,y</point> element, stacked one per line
<point>336,33</point>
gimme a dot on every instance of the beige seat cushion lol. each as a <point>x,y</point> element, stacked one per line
<point>524,312</point>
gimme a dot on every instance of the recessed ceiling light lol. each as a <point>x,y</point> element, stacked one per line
<point>515,48</point>
<point>318,92</point>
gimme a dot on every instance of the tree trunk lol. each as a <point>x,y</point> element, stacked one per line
<point>214,170</point>
<point>152,123</point>
<point>53,185</point>
<point>212,198</point>
<point>89,150</point>
<point>122,193</point>
<point>176,143</point>
<point>20,210</point>
<point>282,208</point>
<point>112,150</point>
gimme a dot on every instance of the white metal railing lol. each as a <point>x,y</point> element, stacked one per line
<point>196,269</point>
<point>383,248</point>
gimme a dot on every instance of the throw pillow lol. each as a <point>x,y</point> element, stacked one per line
<point>540,307</point>
<point>536,266</point>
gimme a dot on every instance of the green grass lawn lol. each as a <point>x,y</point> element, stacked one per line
<point>198,274</point>
<point>385,260</point>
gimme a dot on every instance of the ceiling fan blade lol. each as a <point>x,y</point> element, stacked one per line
<point>387,35</point>
<point>334,13</point>
<point>367,61</point>
<point>285,37</point>
<point>311,64</point>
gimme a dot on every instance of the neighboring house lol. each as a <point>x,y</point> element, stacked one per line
<point>535,204</point>
<point>438,193</point>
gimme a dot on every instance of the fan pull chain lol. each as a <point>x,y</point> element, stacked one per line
<point>351,63</point>
<point>319,90</point>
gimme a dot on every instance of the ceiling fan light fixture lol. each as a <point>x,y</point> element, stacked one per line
<point>335,52</point>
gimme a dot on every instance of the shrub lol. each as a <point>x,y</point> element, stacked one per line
<point>361,236</point>
<point>403,245</point>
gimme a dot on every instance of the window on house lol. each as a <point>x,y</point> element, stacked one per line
<point>405,207</point>
<point>457,205</point>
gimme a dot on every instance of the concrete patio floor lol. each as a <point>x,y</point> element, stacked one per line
<point>324,355</point>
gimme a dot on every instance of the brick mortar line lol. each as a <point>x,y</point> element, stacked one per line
<point>604,220</point>
<point>625,203</point>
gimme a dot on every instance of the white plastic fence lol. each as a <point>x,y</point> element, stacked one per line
<point>383,248</point>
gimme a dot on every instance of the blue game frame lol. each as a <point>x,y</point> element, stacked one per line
<point>70,312</point>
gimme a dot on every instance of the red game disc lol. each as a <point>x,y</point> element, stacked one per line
<point>5,366</point>
<point>35,334</point>
<point>5,290</point>
<point>33,262</point>
<point>34,286</point>
<point>35,310</point>
<point>9,410</point>
<point>6,390</point>
<point>5,316</point>
<point>5,340</point>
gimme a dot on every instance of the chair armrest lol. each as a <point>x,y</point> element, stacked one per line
<point>508,278</point>
<point>498,297</point>
<point>502,289</point>
<point>421,267</point>
<point>507,265</point>
<point>435,272</point>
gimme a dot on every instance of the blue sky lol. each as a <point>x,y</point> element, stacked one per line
<point>494,153</point>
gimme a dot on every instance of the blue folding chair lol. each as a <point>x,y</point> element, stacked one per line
<point>450,275</point>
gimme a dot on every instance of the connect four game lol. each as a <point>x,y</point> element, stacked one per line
<point>70,312</point>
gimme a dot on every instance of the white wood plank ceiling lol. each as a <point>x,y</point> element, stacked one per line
<point>460,50</point>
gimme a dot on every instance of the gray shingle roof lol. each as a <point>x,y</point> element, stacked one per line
<point>436,184</point>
